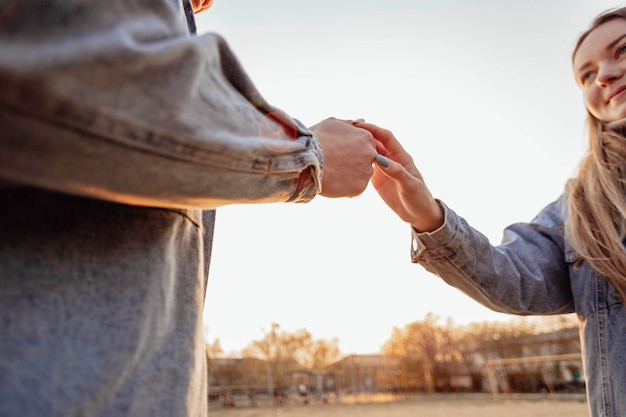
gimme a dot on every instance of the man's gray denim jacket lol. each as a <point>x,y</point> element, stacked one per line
<point>532,271</point>
<point>119,133</point>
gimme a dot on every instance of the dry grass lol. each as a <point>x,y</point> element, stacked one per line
<point>428,406</point>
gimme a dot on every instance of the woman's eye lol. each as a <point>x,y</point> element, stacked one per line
<point>621,50</point>
<point>586,77</point>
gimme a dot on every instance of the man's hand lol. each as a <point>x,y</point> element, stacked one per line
<point>201,5</point>
<point>349,153</point>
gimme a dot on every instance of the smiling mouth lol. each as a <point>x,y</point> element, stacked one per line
<point>616,93</point>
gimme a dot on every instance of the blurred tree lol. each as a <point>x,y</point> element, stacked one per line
<point>427,348</point>
<point>225,372</point>
<point>287,352</point>
<point>214,350</point>
<point>324,352</point>
<point>420,346</point>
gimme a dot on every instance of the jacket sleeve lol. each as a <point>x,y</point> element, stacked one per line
<point>114,100</point>
<point>525,274</point>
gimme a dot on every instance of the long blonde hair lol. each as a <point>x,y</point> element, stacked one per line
<point>596,221</point>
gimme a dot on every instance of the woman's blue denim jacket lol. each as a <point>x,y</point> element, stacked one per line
<point>533,271</point>
<point>119,133</point>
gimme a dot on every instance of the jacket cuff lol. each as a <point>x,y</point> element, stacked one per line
<point>310,180</point>
<point>438,243</point>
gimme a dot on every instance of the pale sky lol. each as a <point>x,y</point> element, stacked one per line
<point>482,95</point>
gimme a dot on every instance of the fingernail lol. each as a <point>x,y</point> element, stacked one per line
<point>357,121</point>
<point>382,161</point>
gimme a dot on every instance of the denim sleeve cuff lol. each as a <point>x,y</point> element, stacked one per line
<point>438,243</point>
<point>317,171</point>
<point>310,181</point>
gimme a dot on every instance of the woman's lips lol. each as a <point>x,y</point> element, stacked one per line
<point>616,92</point>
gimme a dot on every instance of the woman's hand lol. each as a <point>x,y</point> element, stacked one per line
<point>401,185</point>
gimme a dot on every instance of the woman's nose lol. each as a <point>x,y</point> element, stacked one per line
<point>608,73</point>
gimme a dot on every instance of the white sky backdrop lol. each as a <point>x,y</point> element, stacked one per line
<point>480,92</point>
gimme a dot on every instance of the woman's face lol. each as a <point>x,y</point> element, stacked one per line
<point>600,70</point>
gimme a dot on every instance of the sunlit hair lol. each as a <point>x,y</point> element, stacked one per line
<point>596,221</point>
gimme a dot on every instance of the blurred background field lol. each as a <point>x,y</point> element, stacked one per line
<point>470,405</point>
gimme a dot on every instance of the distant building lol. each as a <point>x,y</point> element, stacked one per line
<point>531,363</point>
<point>366,373</point>
<point>535,363</point>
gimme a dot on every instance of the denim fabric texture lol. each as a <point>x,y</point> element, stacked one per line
<point>532,272</point>
<point>135,110</point>
<point>121,133</point>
